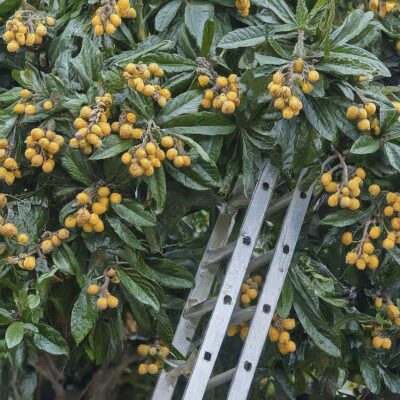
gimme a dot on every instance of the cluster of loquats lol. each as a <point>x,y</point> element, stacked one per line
<point>26,28</point>
<point>126,126</point>
<point>142,78</point>
<point>347,192</point>
<point>383,7</point>
<point>242,329</point>
<point>155,354</point>
<point>283,86</point>
<point>108,16</point>
<point>29,103</point>
<point>9,230</point>
<point>279,332</point>
<point>363,255</point>
<point>105,299</point>
<point>9,169</point>
<point>249,289</point>
<point>390,316</point>
<point>92,125</point>
<point>392,211</point>
<point>143,158</point>
<point>243,6</point>
<point>176,151</point>
<point>42,145</point>
<point>365,115</point>
<point>223,95</point>
<point>98,201</point>
<point>50,240</point>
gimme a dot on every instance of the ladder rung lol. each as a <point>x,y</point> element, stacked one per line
<point>220,379</point>
<point>221,254</point>
<point>215,256</point>
<point>198,310</point>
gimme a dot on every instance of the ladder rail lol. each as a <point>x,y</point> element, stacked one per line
<point>230,289</point>
<point>270,293</point>
<point>203,282</point>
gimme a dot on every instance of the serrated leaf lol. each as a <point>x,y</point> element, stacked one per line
<point>78,166</point>
<point>243,37</point>
<point>124,233</point>
<point>208,37</point>
<point>166,15</point>
<point>200,123</point>
<point>392,152</point>
<point>343,218</point>
<point>83,317</point>
<point>138,292</point>
<point>185,103</point>
<point>112,146</point>
<point>370,373</point>
<point>197,12</point>
<point>365,144</point>
<point>134,213</point>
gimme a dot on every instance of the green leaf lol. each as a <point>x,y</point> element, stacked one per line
<point>171,63</point>
<point>68,209</point>
<point>392,152</point>
<point>365,144</point>
<point>14,334</point>
<point>50,340</point>
<point>187,102</point>
<point>353,25</point>
<point>124,233</point>
<point>200,175</point>
<point>244,37</point>
<point>166,15</point>
<point>158,188</point>
<point>112,146</point>
<point>204,155</point>
<point>64,259</point>
<point>137,291</point>
<point>78,166</point>
<point>134,213</point>
<point>6,6</point>
<point>348,60</point>
<point>315,328</point>
<point>343,218</point>
<point>170,274</point>
<point>281,10</point>
<point>301,12</point>
<point>200,123</point>
<point>286,300</point>
<point>197,12</point>
<point>391,380</point>
<point>319,115</point>
<point>83,316</point>
<point>370,373</point>
<point>88,64</point>
<point>208,37</point>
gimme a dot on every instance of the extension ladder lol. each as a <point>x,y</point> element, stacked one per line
<point>224,307</point>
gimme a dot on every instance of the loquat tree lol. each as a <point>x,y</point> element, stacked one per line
<point>125,124</point>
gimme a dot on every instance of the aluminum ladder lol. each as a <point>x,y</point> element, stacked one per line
<point>224,307</point>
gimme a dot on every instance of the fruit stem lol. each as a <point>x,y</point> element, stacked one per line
<point>345,170</point>
<point>299,50</point>
<point>140,22</point>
